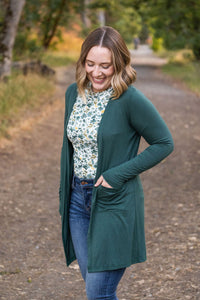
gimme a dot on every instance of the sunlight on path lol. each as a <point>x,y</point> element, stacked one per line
<point>144,56</point>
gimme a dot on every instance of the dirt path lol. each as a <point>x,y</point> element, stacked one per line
<point>32,264</point>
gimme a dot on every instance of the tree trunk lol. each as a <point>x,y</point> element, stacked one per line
<point>101,17</point>
<point>12,17</point>
<point>84,14</point>
<point>50,34</point>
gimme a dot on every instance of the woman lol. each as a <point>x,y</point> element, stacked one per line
<point>101,197</point>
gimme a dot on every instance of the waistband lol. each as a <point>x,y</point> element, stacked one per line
<point>82,182</point>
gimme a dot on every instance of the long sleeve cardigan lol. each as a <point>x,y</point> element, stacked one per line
<point>116,236</point>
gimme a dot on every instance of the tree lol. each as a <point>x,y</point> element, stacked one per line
<point>122,15</point>
<point>43,18</point>
<point>9,29</point>
<point>177,22</point>
<point>54,11</point>
<point>84,13</point>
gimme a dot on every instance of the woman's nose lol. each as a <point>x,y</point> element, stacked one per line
<point>96,71</point>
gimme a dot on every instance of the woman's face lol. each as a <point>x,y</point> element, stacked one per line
<point>99,68</point>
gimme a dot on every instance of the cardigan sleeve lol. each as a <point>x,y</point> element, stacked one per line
<point>145,119</point>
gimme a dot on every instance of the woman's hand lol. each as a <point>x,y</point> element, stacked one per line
<point>101,181</point>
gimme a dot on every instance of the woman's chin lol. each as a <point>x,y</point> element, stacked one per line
<point>99,87</point>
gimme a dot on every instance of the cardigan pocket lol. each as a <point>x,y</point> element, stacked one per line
<point>110,198</point>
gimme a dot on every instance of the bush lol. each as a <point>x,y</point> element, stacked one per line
<point>196,46</point>
<point>25,47</point>
<point>157,44</point>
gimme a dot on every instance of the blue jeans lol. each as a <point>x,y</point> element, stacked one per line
<point>99,285</point>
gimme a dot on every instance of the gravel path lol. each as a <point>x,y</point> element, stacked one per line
<point>32,264</point>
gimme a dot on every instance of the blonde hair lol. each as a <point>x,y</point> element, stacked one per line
<point>124,74</point>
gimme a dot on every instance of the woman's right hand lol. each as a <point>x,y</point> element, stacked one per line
<point>103,182</point>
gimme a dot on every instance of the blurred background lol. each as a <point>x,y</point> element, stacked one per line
<point>50,32</point>
<point>40,42</point>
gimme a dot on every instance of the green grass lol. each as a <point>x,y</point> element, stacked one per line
<point>182,56</point>
<point>183,67</point>
<point>19,94</point>
<point>59,59</point>
<point>50,57</point>
<point>188,73</point>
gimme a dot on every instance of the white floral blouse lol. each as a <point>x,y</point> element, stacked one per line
<point>82,131</point>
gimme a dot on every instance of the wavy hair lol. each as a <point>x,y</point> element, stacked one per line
<point>124,74</point>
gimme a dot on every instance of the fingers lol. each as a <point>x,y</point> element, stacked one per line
<point>105,184</point>
<point>99,181</point>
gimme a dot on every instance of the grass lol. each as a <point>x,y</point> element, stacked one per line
<point>188,73</point>
<point>66,51</point>
<point>19,94</point>
<point>183,66</point>
<point>59,59</point>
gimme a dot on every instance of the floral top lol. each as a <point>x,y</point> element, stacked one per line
<point>82,131</point>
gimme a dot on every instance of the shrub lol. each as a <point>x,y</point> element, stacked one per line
<point>196,46</point>
<point>157,44</point>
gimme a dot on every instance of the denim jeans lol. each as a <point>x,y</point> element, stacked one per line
<point>99,285</point>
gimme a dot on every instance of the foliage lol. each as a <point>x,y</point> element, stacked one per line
<point>177,22</point>
<point>196,46</point>
<point>30,45</point>
<point>129,19</point>
<point>173,24</point>
<point>43,17</point>
<point>3,7</point>
<point>58,59</point>
<point>120,15</point>
<point>144,33</point>
<point>157,44</point>
<point>66,51</point>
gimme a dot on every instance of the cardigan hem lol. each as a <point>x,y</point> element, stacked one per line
<point>109,268</point>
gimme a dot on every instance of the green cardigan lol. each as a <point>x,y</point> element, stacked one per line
<point>116,235</point>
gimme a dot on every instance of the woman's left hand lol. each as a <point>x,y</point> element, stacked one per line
<point>101,181</point>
